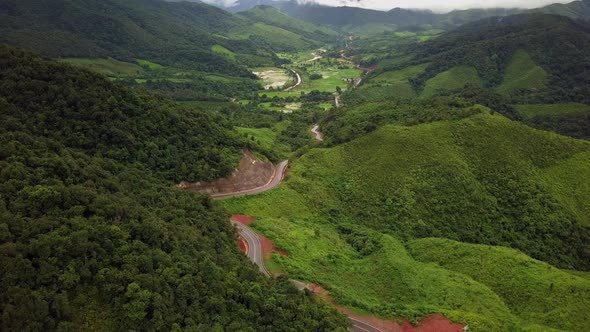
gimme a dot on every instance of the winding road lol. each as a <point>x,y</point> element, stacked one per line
<point>274,181</point>
<point>298,81</point>
<point>256,256</point>
<point>254,246</point>
<point>316,131</point>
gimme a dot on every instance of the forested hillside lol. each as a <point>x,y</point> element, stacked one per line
<point>359,219</point>
<point>94,236</point>
<point>173,34</point>
<point>315,35</point>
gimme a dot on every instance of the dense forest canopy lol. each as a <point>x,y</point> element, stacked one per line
<point>93,233</point>
<point>421,188</point>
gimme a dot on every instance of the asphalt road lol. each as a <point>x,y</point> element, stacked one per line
<point>272,183</point>
<point>255,255</point>
<point>254,246</point>
<point>298,81</point>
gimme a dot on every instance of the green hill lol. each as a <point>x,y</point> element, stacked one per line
<point>523,73</point>
<point>452,79</point>
<point>344,213</point>
<point>179,34</point>
<point>315,35</point>
<point>577,9</point>
<point>533,290</point>
<point>93,233</point>
<point>555,44</point>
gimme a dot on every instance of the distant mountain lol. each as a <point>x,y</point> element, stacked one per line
<point>576,9</point>
<point>556,43</point>
<point>244,5</point>
<point>269,26</point>
<point>176,34</point>
<point>347,17</point>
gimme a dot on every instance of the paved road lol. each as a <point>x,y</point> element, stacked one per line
<point>274,181</point>
<point>358,326</point>
<point>255,255</point>
<point>316,131</point>
<point>298,81</point>
<point>254,246</point>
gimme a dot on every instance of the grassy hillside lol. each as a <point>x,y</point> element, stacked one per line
<point>274,17</point>
<point>533,290</point>
<point>279,39</point>
<point>173,34</point>
<point>452,79</point>
<point>344,213</point>
<point>93,233</point>
<point>523,73</point>
<point>556,45</point>
<point>388,85</point>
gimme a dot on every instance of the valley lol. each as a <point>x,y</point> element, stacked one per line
<point>399,170</point>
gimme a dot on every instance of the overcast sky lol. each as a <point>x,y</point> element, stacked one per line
<point>438,5</point>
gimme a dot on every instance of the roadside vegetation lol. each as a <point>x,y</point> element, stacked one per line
<point>346,214</point>
<point>93,233</point>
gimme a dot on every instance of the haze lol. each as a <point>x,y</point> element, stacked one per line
<point>435,5</point>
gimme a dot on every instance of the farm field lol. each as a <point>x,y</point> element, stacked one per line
<point>273,77</point>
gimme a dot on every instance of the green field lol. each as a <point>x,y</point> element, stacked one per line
<point>348,215</point>
<point>523,73</point>
<point>390,85</point>
<point>452,79</point>
<point>333,75</point>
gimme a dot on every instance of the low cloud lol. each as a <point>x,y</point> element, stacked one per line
<point>436,5</point>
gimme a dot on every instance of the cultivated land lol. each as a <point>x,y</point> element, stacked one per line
<point>273,77</point>
<point>333,74</point>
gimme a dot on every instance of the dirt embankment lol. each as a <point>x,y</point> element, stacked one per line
<point>430,323</point>
<point>252,173</point>
<point>265,243</point>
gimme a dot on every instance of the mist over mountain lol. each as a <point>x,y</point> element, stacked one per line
<point>385,5</point>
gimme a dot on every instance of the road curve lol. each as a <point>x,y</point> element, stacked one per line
<point>298,81</point>
<point>274,181</point>
<point>256,256</point>
<point>316,131</point>
<point>254,246</point>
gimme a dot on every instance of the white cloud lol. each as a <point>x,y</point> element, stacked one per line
<point>437,5</point>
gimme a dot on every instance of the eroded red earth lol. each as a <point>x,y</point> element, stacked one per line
<point>430,323</point>
<point>267,246</point>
